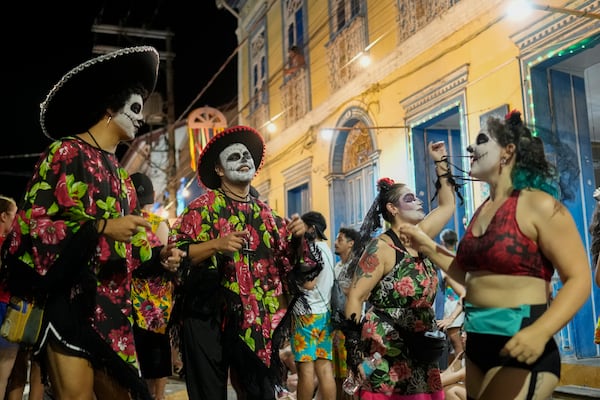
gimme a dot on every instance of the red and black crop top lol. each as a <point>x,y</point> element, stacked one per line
<point>503,248</point>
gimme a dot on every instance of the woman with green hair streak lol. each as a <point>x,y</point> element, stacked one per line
<point>514,243</point>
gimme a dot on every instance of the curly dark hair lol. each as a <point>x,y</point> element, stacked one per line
<point>532,169</point>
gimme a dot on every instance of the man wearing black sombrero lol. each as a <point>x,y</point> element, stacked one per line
<point>241,256</point>
<point>76,241</point>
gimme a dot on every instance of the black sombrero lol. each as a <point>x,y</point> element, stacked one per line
<point>207,160</point>
<point>96,78</point>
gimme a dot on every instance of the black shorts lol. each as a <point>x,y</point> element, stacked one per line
<point>154,353</point>
<point>484,349</point>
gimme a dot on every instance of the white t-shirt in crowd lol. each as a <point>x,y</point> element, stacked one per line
<point>320,296</point>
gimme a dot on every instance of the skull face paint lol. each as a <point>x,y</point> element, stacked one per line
<point>485,155</point>
<point>130,117</point>
<point>411,207</point>
<point>237,163</point>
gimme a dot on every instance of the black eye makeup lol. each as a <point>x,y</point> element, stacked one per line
<point>234,157</point>
<point>482,138</point>
<point>136,108</point>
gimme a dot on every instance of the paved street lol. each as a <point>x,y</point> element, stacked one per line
<point>176,390</point>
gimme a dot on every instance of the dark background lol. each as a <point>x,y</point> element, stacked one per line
<point>45,40</point>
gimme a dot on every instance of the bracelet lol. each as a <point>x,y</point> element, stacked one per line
<point>101,231</point>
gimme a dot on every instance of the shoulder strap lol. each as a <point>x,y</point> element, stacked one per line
<point>397,243</point>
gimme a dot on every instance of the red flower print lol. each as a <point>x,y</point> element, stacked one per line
<point>400,371</point>
<point>260,270</point>
<point>369,263</point>
<point>369,329</point>
<point>434,379</point>
<point>223,226</point>
<point>420,326</point>
<point>244,278</point>
<point>61,191</point>
<point>49,232</point>
<point>277,317</point>
<point>405,287</point>
<point>121,342</point>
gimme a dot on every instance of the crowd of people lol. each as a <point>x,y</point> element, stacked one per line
<point>246,292</point>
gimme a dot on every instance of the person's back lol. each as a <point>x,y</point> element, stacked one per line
<point>152,299</point>
<point>312,351</point>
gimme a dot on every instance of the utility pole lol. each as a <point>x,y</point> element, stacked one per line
<point>168,56</point>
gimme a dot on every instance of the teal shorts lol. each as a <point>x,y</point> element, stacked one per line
<point>312,337</point>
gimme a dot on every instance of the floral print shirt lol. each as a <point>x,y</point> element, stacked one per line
<point>152,295</point>
<point>75,183</point>
<point>406,293</point>
<point>256,278</point>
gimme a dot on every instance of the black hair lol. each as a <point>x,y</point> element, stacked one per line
<point>449,237</point>
<point>350,233</point>
<point>116,101</point>
<point>388,192</point>
<point>532,169</point>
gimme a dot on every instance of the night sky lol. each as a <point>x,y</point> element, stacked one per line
<point>51,38</point>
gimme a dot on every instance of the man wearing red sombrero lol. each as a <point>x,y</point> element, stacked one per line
<point>76,241</point>
<point>244,259</point>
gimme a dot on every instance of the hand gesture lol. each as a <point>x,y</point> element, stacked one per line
<point>122,229</point>
<point>296,226</point>
<point>419,240</point>
<point>232,242</point>
<point>171,257</point>
<point>437,151</point>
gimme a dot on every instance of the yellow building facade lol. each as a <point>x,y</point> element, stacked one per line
<point>377,80</point>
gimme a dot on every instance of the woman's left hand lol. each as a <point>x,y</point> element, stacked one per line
<point>171,257</point>
<point>437,150</point>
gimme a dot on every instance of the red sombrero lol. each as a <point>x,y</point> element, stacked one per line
<point>245,135</point>
<point>61,114</point>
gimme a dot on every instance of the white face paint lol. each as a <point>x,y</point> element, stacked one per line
<point>130,117</point>
<point>238,164</point>
<point>485,155</point>
<point>411,207</point>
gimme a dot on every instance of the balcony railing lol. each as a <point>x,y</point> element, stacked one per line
<point>343,49</point>
<point>294,96</point>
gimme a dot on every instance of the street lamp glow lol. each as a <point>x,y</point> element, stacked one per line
<point>518,9</point>
<point>326,134</point>
<point>365,60</point>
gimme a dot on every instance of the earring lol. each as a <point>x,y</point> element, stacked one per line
<point>108,120</point>
<point>503,161</point>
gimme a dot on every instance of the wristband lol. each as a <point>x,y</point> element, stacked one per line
<point>104,222</point>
